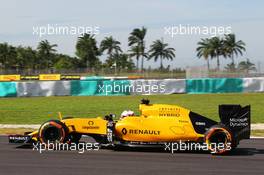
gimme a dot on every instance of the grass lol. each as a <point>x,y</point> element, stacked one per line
<point>259,133</point>
<point>39,109</point>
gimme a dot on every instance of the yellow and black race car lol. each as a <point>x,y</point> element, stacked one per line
<point>156,124</point>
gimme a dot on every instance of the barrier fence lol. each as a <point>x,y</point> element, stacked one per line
<point>41,77</point>
<point>103,87</point>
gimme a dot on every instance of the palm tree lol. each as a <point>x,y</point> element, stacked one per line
<point>45,47</point>
<point>216,45</point>
<point>232,47</point>
<point>160,50</point>
<point>204,50</point>
<point>46,52</point>
<point>136,38</point>
<point>113,49</point>
<point>111,45</point>
<point>246,66</point>
<point>135,52</point>
<point>230,67</point>
<point>87,50</point>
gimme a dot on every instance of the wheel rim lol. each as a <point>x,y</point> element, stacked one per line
<point>52,134</point>
<point>216,137</point>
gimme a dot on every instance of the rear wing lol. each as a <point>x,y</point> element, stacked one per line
<point>237,119</point>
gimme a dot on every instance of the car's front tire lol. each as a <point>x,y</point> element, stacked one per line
<point>53,131</point>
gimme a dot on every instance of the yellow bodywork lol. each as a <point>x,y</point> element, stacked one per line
<point>157,123</point>
<point>86,125</point>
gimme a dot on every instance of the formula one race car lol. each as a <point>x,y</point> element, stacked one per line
<point>156,125</point>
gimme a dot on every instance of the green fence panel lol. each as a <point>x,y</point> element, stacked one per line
<point>214,85</point>
<point>100,87</point>
<point>8,89</point>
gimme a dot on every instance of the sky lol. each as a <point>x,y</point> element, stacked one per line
<point>118,18</point>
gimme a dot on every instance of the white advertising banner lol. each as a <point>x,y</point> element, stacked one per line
<point>43,88</point>
<point>255,84</point>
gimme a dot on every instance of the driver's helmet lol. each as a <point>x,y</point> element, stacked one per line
<point>127,113</point>
<point>130,113</point>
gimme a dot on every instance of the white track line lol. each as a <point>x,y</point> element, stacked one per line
<point>257,126</point>
<point>12,126</point>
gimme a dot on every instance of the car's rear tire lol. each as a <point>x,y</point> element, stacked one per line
<point>53,131</point>
<point>218,139</point>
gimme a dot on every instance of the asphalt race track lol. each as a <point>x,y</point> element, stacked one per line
<point>247,159</point>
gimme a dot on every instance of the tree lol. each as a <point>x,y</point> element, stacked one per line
<point>111,45</point>
<point>46,53</point>
<point>135,52</point>
<point>66,62</point>
<point>3,54</point>
<point>232,47</point>
<point>27,58</point>
<point>120,62</point>
<point>204,50</point>
<point>87,50</point>
<point>216,49</point>
<point>246,66</point>
<point>113,49</point>
<point>136,38</point>
<point>160,50</point>
<point>230,67</point>
<point>7,55</point>
<point>124,62</point>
